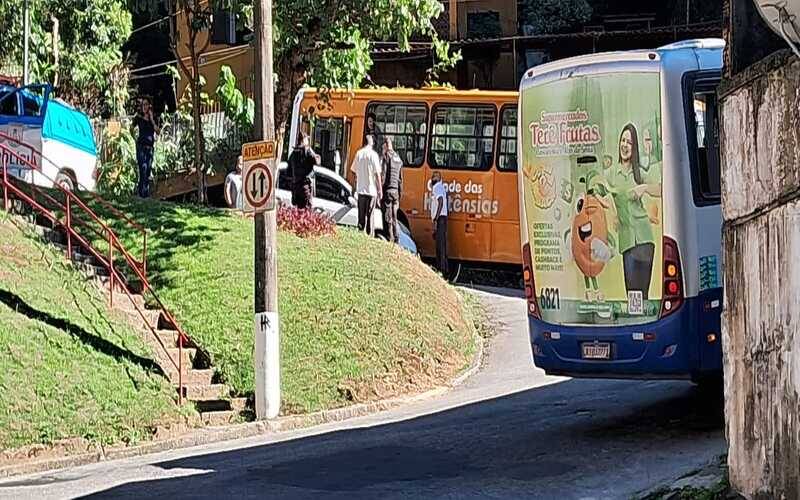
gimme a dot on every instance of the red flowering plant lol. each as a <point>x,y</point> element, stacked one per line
<point>305,222</point>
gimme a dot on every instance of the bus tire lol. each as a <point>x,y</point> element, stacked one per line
<point>66,180</point>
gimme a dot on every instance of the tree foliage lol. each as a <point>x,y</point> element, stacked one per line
<point>328,44</point>
<point>89,71</point>
<point>553,16</point>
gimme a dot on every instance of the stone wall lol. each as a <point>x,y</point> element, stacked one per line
<point>760,148</point>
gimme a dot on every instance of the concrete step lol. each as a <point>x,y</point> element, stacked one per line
<point>207,392</point>
<point>50,235</point>
<point>240,405</point>
<point>200,377</point>
<point>218,418</point>
<point>168,337</point>
<point>78,254</point>
<point>188,355</point>
<point>91,271</point>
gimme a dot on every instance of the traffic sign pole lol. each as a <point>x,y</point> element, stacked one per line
<point>267,342</point>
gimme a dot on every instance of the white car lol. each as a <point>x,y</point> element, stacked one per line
<point>333,195</point>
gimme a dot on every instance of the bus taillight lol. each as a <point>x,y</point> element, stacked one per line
<point>673,293</point>
<point>530,284</point>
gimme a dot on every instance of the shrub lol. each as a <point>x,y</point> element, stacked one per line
<point>304,222</point>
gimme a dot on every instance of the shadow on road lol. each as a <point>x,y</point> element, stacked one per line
<point>574,436</point>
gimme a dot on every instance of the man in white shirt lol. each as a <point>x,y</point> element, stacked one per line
<point>439,218</point>
<point>367,167</point>
<point>233,186</point>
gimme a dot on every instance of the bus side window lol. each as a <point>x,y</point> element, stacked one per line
<point>703,136</point>
<point>463,137</point>
<point>507,152</point>
<point>406,124</point>
<point>327,140</point>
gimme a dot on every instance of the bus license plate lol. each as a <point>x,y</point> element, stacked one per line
<point>600,350</point>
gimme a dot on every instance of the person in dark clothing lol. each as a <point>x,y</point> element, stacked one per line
<point>145,143</point>
<point>375,132</point>
<point>301,164</point>
<point>392,175</point>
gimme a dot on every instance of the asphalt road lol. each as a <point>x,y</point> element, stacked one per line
<point>508,432</point>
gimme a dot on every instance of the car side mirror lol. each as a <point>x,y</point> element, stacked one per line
<point>352,201</point>
<point>337,159</point>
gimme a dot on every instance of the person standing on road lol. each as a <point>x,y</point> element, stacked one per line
<point>145,143</point>
<point>301,165</point>
<point>367,167</point>
<point>392,173</point>
<point>439,218</point>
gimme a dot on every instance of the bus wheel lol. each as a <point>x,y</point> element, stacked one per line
<point>66,181</point>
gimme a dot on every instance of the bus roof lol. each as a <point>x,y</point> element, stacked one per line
<point>633,56</point>
<point>425,92</point>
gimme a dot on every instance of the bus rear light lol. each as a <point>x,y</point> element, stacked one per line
<point>530,283</point>
<point>669,350</point>
<point>672,294</point>
<point>649,337</point>
<point>672,287</point>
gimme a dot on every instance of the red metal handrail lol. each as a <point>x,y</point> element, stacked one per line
<point>72,201</point>
<point>111,208</point>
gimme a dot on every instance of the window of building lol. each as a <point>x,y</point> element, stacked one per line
<point>483,24</point>
<point>463,137</point>
<point>406,124</point>
<point>703,136</point>
<point>507,154</point>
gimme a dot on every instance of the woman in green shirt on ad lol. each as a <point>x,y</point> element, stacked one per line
<point>628,183</point>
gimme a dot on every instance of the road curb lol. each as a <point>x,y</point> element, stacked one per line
<point>210,435</point>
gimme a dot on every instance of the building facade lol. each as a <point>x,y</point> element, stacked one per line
<point>760,149</point>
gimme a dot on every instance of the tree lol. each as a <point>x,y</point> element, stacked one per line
<point>328,44</point>
<point>324,43</point>
<point>194,17</point>
<point>541,17</point>
<point>74,44</point>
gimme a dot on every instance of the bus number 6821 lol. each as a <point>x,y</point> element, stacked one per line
<point>550,298</point>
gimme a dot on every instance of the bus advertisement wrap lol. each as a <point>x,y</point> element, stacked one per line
<point>591,160</point>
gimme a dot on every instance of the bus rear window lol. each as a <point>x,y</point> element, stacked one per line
<point>463,137</point>
<point>406,124</point>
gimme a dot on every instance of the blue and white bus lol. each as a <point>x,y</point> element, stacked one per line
<point>620,213</point>
<point>57,138</point>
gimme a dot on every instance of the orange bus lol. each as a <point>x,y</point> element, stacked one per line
<point>469,136</point>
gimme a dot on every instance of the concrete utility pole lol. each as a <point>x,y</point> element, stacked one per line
<point>26,23</point>
<point>267,356</point>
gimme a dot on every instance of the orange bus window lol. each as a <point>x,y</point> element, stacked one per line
<point>463,137</point>
<point>507,154</point>
<point>406,124</point>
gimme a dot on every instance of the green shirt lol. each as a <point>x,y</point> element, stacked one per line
<point>634,224</point>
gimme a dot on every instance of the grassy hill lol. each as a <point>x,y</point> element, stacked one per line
<point>68,367</point>
<point>361,319</point>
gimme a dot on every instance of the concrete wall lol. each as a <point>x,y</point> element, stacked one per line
<point>760,147</point>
